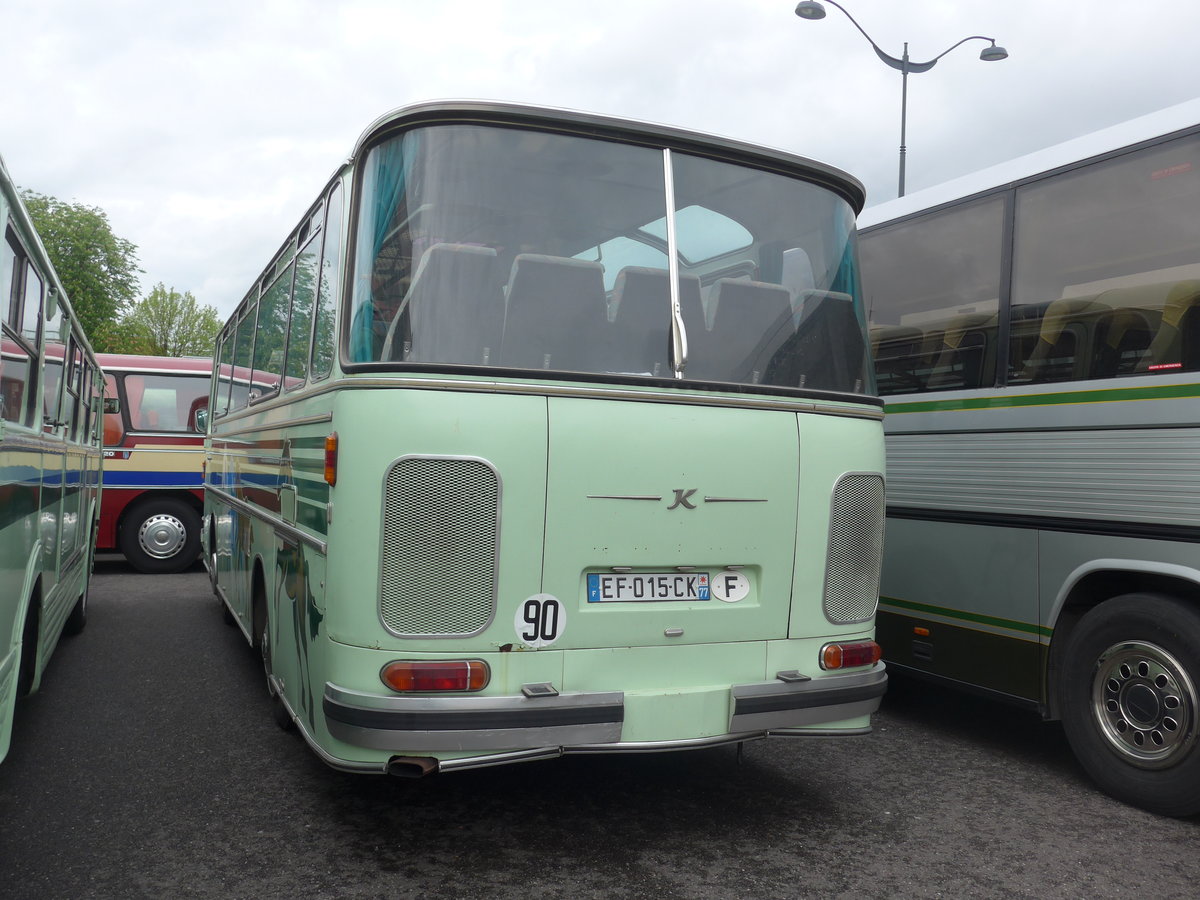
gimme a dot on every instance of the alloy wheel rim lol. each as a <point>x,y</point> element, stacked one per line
<point>1145,704</point>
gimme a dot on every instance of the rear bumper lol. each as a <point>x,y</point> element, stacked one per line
<point>582,722</point>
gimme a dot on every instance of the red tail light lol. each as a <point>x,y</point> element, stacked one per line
<point>850,655</point>
<point>409,676</point>
<point>331,442</point>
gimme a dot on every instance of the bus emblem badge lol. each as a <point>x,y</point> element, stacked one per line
<point>681,498</point>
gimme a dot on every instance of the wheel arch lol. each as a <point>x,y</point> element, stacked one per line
<point>1091,585</point>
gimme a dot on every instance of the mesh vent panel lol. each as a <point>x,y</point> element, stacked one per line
<point>855,548</point>
<point>440,532</point>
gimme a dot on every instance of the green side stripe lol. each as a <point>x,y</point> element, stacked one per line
<point>974,618</point>
<point>1006,401</point>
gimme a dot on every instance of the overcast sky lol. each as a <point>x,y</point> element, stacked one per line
<point>205,128</point>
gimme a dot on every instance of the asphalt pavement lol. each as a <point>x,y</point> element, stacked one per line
<point>149,766</point>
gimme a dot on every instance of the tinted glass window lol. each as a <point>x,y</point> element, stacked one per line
<point>56,355</point>
<point>272,332</point>
<point>1104,279</point>
<point>9,305</point>
<point>303,295</point>
<point>933,286</point>
<point>243,355</point>
<point>481,246</point>
<point>15,370</point>
<point>330,273</point>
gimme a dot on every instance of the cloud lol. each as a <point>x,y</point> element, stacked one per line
<point>206,130</point>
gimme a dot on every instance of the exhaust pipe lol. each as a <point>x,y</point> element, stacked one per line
<point>412,766</point>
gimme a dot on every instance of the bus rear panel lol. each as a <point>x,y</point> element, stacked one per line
<point>555,434</point>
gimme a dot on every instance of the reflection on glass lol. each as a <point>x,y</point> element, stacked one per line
<point>508,248</point>
<point>933,291</point>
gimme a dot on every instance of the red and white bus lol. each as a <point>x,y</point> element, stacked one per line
<point>153,454</point>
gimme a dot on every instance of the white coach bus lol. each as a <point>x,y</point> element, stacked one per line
<point>1036,329</point>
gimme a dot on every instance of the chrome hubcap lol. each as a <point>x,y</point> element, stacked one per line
<point>1145,704</point>
<point>162,536</point>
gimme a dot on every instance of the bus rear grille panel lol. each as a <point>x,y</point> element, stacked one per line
<point>441,526</point>
<point>855,548</point>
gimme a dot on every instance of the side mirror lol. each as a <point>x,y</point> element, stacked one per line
<point>198,415</point>
<point>111,405</point>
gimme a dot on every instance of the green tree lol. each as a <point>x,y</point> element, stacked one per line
<point>168,323</point>
<point>98,269</point>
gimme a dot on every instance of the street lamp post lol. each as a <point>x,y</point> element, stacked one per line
<point>812,10</point>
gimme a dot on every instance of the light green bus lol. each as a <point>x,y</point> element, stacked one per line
<point>1037,338</point>
<point>50,390</point>
<point>553,433</point>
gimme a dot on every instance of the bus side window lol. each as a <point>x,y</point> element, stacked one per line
<point>271,333</point>
<point>303,293</point>
<point>243,357</point>
<point>56,353</point>
<point>329,276</point>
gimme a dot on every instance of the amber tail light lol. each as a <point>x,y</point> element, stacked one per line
<point>850,655</point>
<point>441,675</point>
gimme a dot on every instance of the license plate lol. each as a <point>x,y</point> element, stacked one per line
<point>647,587</point>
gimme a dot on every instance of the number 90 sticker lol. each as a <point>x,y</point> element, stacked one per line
<point>540,620</point>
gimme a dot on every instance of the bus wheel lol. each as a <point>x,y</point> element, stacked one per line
<point>279,711</point>
<point>27,659</point>
<point>1131,708</point>
<point>78,617</point>
<point>161,536</point>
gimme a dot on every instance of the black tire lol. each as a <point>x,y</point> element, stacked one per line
<point>278,710</point>
<point>1131,710</point>
<point>212,562</point>
<point>160,535</point>
<point>27,661</point>
<point>77,620</point>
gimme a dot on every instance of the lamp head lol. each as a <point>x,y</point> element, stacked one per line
<point>993,53</point>
<point>810,9</point>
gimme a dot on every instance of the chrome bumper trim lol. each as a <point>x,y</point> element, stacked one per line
<point>778,705</point>
<point>415,724</point>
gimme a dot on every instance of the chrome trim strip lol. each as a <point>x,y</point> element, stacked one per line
<point>874,411</point>
<point>196,372</point>
<point>735,500</point>
<point>141,488</point>
<point>679,347</point>
<point>199,448</point>
<point>194,435</point>
<point>669,746</point>
<point>593,392</point>
<point>830,732</point>
<point>498,759</point>
<point>623,497</point>
<point>286,529</point>
<point>275,426</point>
